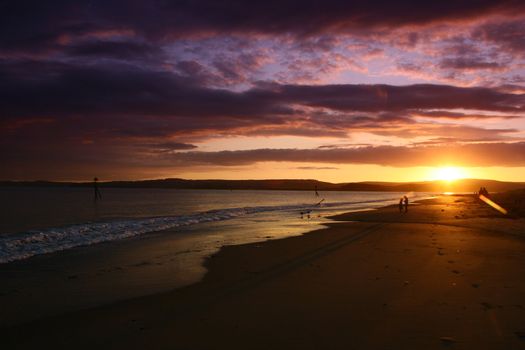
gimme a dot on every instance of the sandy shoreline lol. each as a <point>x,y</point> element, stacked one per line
<point>447,273</point>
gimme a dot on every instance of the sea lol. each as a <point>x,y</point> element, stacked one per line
<point>36,221</point>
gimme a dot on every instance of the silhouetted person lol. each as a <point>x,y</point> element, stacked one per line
<point>316,193</point>
<point>483,191</point>
<point>401,204</point>
<point>96,190</point>
<point>405,200</point>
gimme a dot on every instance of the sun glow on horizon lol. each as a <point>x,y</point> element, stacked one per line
<point>449,173</point>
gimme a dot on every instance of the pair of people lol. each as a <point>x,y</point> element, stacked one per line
<point>483,191</point>
<point>403,203</point>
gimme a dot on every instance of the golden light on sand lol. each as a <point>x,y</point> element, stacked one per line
<point>493,204</point>
<point>449,173</point>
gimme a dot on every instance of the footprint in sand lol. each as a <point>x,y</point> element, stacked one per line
<point>520,334</point>
<point>486,306</point>
<point>447,341</point>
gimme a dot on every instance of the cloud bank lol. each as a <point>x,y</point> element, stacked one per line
<point>148,83</point>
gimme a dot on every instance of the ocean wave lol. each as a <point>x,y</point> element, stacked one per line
<point>18,246</point>
<point>23,245</point>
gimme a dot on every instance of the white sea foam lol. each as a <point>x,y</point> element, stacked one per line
<point>23,245</point>
<point>18,246</point>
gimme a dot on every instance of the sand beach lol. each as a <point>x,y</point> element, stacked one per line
<point>446,274</point>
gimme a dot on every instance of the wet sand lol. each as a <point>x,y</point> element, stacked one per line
<point>447,274</point>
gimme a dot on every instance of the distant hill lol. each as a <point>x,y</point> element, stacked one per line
<point>464,185</point>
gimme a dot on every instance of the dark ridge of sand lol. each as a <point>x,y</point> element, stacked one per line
<point>447,274</point>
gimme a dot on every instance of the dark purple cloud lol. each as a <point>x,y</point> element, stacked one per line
<point>480,154</point>
<point>122,100</point>
<point>52,162</point>
<point>459,115</point>
<point>374,98</point>
<point>125,50</point>
<point>31,23</point>
<point>143,81</point>
<point>508,35</point>
<point>470,63</point>
<point>34,87</point>
<point>168,146</point>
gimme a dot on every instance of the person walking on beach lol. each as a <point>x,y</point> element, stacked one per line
<point>97,193</point>
<point>405,200</point>
<point>401,204</point>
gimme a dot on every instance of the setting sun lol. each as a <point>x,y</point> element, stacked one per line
<point>449,173</point>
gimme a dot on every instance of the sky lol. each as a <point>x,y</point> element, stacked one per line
<point>337,91</point>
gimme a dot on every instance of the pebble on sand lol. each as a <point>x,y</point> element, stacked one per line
<point>448,340</point>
